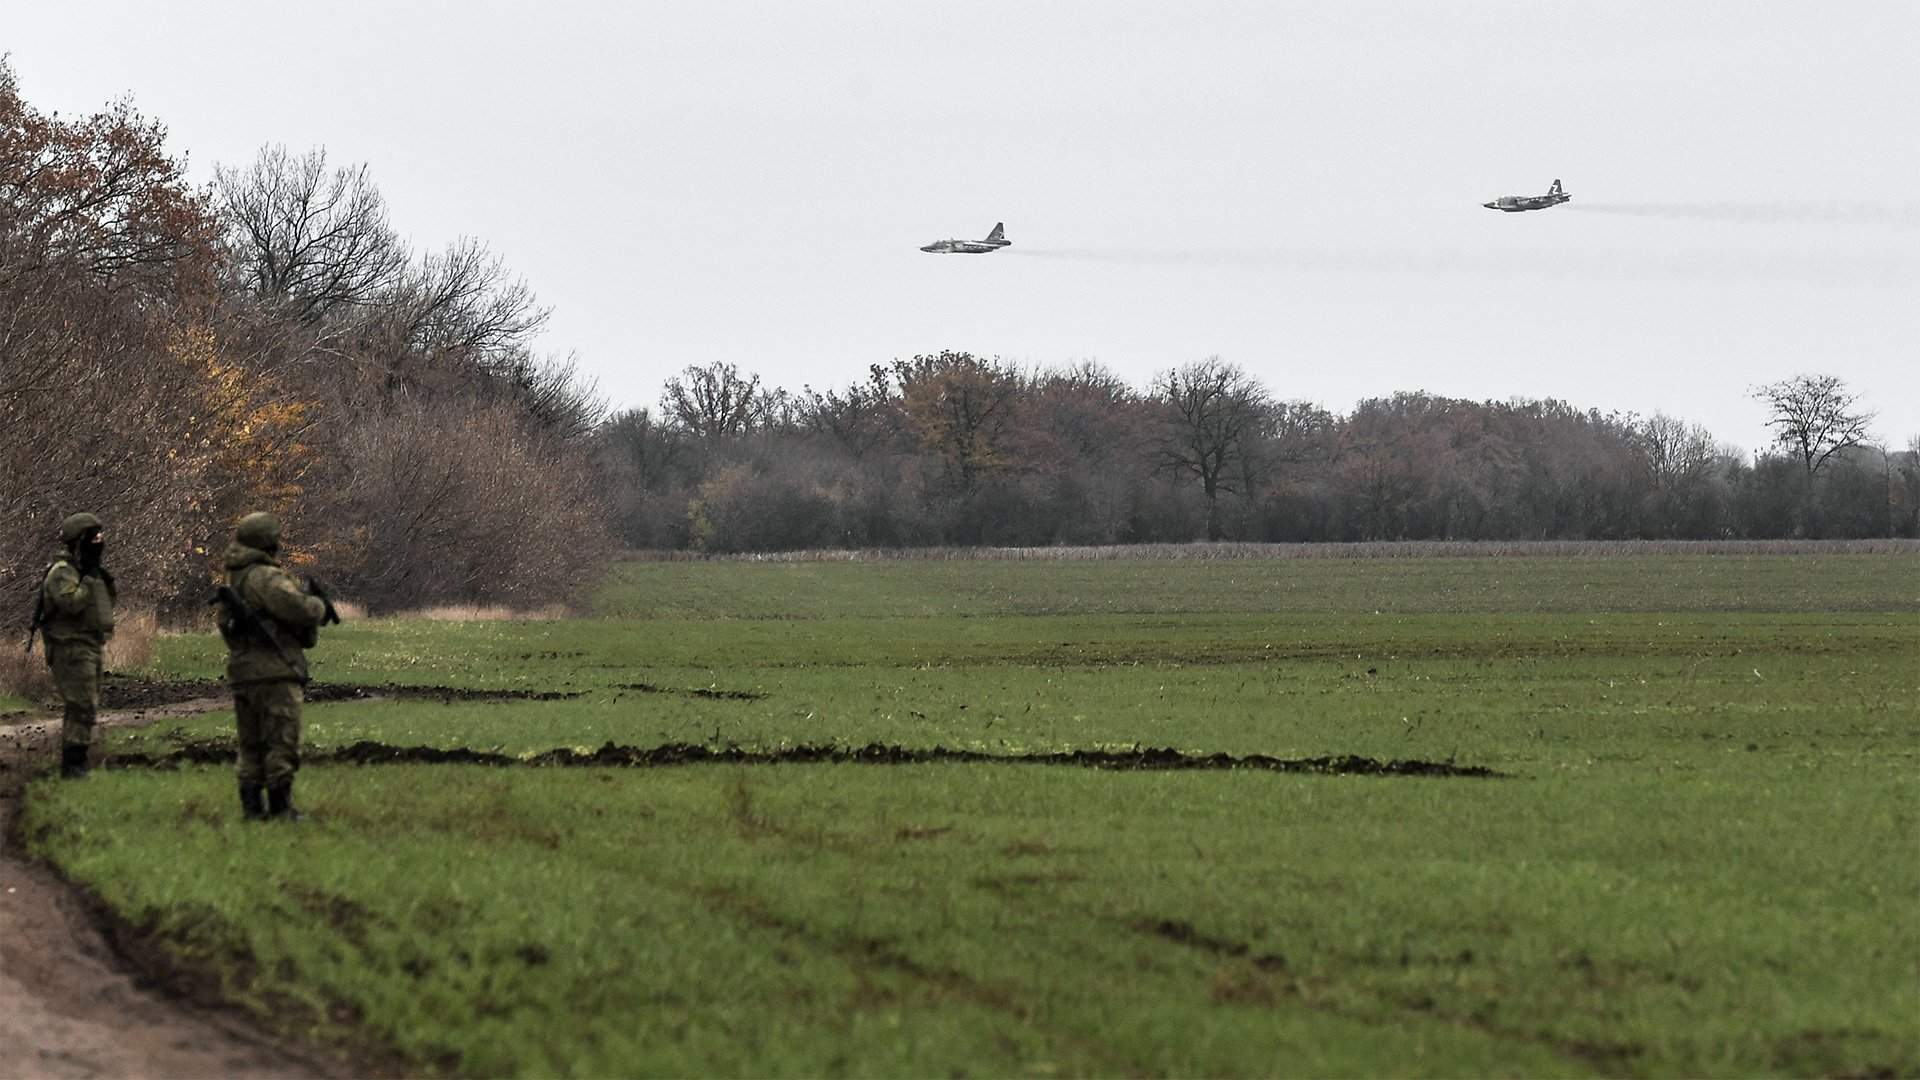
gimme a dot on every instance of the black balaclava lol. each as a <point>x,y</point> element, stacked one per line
<point>90,547</point>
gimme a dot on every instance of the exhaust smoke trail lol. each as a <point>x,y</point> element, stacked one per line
<point>1872,268</point>
<point>1882,215</point>
<point>1192,257</point>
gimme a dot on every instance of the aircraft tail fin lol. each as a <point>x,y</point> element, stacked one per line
<point>999,232</point>
<point>1555,189</point>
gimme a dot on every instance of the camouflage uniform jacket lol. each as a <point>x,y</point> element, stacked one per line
<point>282,606</point>
<point>78,610</point>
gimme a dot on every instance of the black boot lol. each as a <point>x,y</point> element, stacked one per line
<point>280,802</point>
<point>253,802</point>
<point>73,761</point>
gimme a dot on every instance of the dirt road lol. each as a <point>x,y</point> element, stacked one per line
<point>68,1007</point>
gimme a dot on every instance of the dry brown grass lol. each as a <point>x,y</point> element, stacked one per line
<point>355,612</point>
<point>481,613</point>
<point>1381,549</point>
<point>131,647</point>
<point>24,674</point>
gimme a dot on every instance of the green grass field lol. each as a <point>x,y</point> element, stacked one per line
<point>1702,862</point>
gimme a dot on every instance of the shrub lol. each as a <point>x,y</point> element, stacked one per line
<point>24,674</point>
<point>455,505</point>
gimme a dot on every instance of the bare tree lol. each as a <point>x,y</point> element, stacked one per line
<point>1677,462</point>
<point>636,441</point>
<point>1392,452</point>
<point>1214,414</point>
<point>1086,408</point>
<point>1083,441</point>
<point>777,409</point>
<point>1303,431</point>
<point>461,304</point>
<point>714,400</point>
<point>1813,417</point>
<point>1296,433</point>
<point>1676,454</point>
<point>315,240</point>
<point>860,419</point>
<point>551,393</point>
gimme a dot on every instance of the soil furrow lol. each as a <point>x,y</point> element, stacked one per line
<point>1152,759</point>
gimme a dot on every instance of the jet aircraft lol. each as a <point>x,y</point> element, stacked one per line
<point>1513,204</point>
<point>995,240</point>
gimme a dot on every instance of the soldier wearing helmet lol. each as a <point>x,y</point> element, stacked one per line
<point>267,668</point>
<point>76,618</point>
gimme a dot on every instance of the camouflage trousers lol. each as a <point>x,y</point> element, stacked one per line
<point>75,666</point>
<point>268,717</point>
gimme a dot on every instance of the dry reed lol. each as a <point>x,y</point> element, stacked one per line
<point>131,647</point>
<point>483,613</point>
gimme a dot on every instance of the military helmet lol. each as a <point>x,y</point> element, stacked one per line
<point>77,526</point>
<point>259,530</point>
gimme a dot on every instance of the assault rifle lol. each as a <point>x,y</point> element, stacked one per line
<point>39,616</point>
<point>319,592</point>
<point>243,618</point>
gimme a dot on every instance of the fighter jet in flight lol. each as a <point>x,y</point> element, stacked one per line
<point>995,240</point>
<point>1513,204</point>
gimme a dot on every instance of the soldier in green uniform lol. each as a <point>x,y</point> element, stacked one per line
<point>268,667</point>
<point>76,618</point>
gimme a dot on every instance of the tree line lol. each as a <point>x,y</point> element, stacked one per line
<point>172,356</point>
<point>951,448</point>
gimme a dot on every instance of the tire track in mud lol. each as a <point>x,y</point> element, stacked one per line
<point>666,755</point>
<point>881,954</point>
<point>1264,978</point>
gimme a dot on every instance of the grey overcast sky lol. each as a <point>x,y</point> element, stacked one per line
<point>1293,186</point>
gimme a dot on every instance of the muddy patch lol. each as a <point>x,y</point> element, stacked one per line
<point>119,692</point>
<point>28,740</point>
<point>1162,759</point>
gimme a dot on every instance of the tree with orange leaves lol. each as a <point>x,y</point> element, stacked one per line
<point>105,253</point>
